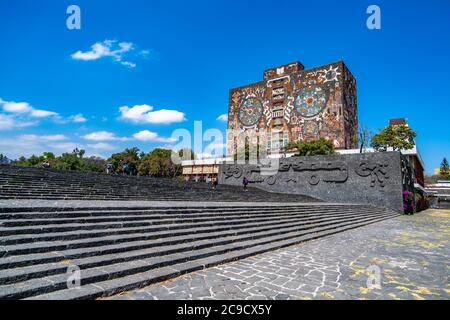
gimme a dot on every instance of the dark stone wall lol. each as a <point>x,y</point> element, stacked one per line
<point>373,178</point>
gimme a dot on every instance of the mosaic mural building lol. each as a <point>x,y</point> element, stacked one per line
<point>293,104</point>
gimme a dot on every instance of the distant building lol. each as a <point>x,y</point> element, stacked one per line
<point>418,168</point>
<point>396,122</point>
<point>439,194</point>
<point>293,104</point>
<point>203,169</point>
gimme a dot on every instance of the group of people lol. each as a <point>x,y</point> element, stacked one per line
<point>126,168</point>
<point>46,165</point>
<point>214,182</point>
<point>210,180</point>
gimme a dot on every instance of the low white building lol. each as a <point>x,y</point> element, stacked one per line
<point>202,169</point>
<point>439,194</point>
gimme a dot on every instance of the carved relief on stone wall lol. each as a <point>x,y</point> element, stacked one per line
<point>234,171</point>
<point>293,171</point>
<point>326,171</point>
<point>376,171</point>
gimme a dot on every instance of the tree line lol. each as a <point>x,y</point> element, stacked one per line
<point>156,163</point>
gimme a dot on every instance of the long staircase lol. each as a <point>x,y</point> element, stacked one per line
<point>128,248</point>
<point>50,184</point>
<point>119,246</point>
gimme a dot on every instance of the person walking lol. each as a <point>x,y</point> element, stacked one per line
<point>109,168</point>
<point>125,168</point>
<point>214,183</point>
<point>245,183</point>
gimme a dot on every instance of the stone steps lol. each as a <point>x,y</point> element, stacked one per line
<point>152,270</point>
<point>157,249</point>
<point>17,221</point>
<point>169,225</point>
<point>77,234</point>
<point>69,212</point>
<point>49,184</point>
<point>116,253</point>
<point>160,233</point>
<point>28,256</point>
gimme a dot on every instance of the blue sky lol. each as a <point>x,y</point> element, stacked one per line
<point>177,60</point>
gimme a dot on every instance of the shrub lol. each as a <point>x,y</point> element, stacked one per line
<point>408,202</point>
<point>313,148</point>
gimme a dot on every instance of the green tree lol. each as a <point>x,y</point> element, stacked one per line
<point>445,170</point>
<point>158,163</point>
<point>186,154</point>
<point>48,156</point>
<point>4,159</point>
<point>397,137</point>
<point>251,151</point>
<point>35,161</point>
<point>130,156</point>
<point>94,164</point>
<point>79,152</point>
<point>318,147</point>
<point>69,161</point>
<point>22,162</point>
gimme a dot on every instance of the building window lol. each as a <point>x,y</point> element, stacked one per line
<point>277,91</point>
<point>278,113</point>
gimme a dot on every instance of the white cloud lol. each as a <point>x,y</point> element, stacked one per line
<point>103,136</point>
<point>146,135</point>
<point>144,53</point>
<point>25,109</point>
<point>65,146</point>
<point>15,148</point>
<point>8,122</point>
<point>129,64</point>
<point>78,118</point>
<point>33,137</point>
<point>16,107</point>
<point>42,113</point>
<point>145,114</point>
<point>102,146</point>
<point>107,48</point>
<point>223,117</point>
<point>29,144</point>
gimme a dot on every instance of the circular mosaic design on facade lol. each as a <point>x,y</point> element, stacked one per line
<point>250,112</point>
<point>310,101</point>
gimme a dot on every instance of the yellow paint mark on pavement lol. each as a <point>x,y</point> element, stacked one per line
<point>327,295</point>
<point>417,297</point>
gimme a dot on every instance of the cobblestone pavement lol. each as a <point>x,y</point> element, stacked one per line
<point>411,252</point>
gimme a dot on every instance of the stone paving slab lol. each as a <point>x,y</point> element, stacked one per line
<point>410,252</point>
